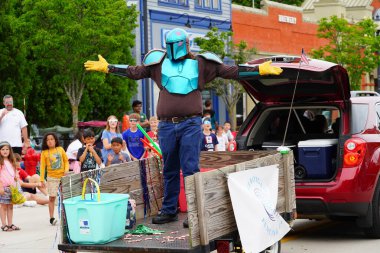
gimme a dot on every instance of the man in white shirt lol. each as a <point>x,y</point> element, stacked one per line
<point>13,125</point>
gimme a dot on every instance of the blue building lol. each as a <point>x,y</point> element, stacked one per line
<point>157,17</point>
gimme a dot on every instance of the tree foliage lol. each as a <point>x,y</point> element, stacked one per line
<point>221,44</point>
<point>15,74</point>
<point>49,42</point>
<point>354,46</point>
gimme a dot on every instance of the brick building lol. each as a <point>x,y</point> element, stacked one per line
<point>274,29</point>
<point>283,29</point>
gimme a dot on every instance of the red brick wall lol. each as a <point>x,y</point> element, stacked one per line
<point>268,35</point>
<point>376,4</point>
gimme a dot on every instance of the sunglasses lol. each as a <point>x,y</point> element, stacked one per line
<point>112,121</point>
<point>133,120</point>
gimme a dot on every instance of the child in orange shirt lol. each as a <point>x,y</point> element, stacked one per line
<point>54,159</point>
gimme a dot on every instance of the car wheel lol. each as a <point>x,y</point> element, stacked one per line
<point>275,248</point>
<point>374,231</point>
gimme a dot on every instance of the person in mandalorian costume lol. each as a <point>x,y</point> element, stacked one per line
<point>180,76</point>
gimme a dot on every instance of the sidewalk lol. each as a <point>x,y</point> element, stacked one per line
<point>36,234</point>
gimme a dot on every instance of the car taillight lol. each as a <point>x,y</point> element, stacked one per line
<point>354,151</point>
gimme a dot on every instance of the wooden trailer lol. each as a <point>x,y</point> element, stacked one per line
<point>209,208</point>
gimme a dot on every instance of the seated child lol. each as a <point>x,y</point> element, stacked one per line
<point>29,184</point>
<point>116,156</point>
<point>89,155</point>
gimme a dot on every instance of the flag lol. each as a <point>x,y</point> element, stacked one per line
<point>304,57</point>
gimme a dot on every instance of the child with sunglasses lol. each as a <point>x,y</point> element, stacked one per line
<point>112,131</point>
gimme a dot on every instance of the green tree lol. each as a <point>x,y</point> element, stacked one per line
<point>354,46</point>
<point>290,2</point>
<point>60,35</point>
<point>221,44</point>
<point>14,72</point>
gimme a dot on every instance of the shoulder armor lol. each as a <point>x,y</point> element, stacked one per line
<point>211,57</point>
<point>154,56</point>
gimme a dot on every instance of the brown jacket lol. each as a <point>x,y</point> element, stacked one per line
<point>178,105</point>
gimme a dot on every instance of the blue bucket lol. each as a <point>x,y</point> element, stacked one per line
<point>96,221</point>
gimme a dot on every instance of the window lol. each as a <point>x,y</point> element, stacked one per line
<point>182,3</point>
<point>213,5</point>
<point>378,115</point>
<point>359,117</point>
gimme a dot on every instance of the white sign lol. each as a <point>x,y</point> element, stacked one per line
<point>193,46</point>
<point>287,19</point>
<point>254,198</point>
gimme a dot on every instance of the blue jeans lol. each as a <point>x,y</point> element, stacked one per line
<point>180,145</point>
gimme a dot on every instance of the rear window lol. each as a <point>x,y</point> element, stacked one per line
<point>359,117</point>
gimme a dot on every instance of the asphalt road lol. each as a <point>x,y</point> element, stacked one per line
<point>36,234</point>
<point>325,236</point>
<point>308,236</point>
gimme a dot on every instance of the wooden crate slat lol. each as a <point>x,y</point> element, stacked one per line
<point>223,158</point>
<point>192,202</point>
<point>192,211</point>
<point>153,209</point>
<point>201,209</point>
<point>224,223</point>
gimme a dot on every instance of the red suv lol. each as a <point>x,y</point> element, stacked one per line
<point>335,138</point>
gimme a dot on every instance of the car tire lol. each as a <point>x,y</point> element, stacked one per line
<point>374,231</point>
<point>275,248</point>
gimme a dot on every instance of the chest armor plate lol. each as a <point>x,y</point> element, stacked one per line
<point>180,77</point>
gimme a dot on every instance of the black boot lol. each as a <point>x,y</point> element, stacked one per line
<point>164,218</point>
<point>186,223</point>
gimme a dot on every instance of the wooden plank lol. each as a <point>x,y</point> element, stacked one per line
<point>221,219</point>
<point>154,208</point>
<point>290,198</point>
<point>202,215</point>
<point>192,211</point>
<point>221,159</point>
<point>191,197</point>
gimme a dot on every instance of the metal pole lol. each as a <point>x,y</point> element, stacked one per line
<point>146,49</point>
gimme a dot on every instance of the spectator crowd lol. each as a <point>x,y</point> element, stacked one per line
<point>120,142</point>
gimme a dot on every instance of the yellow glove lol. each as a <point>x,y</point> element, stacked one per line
<point>101,65</point>
<point>267,69</point>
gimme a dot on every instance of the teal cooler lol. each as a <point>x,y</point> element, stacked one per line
<point>316,157</point>
<point>96,221</point>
